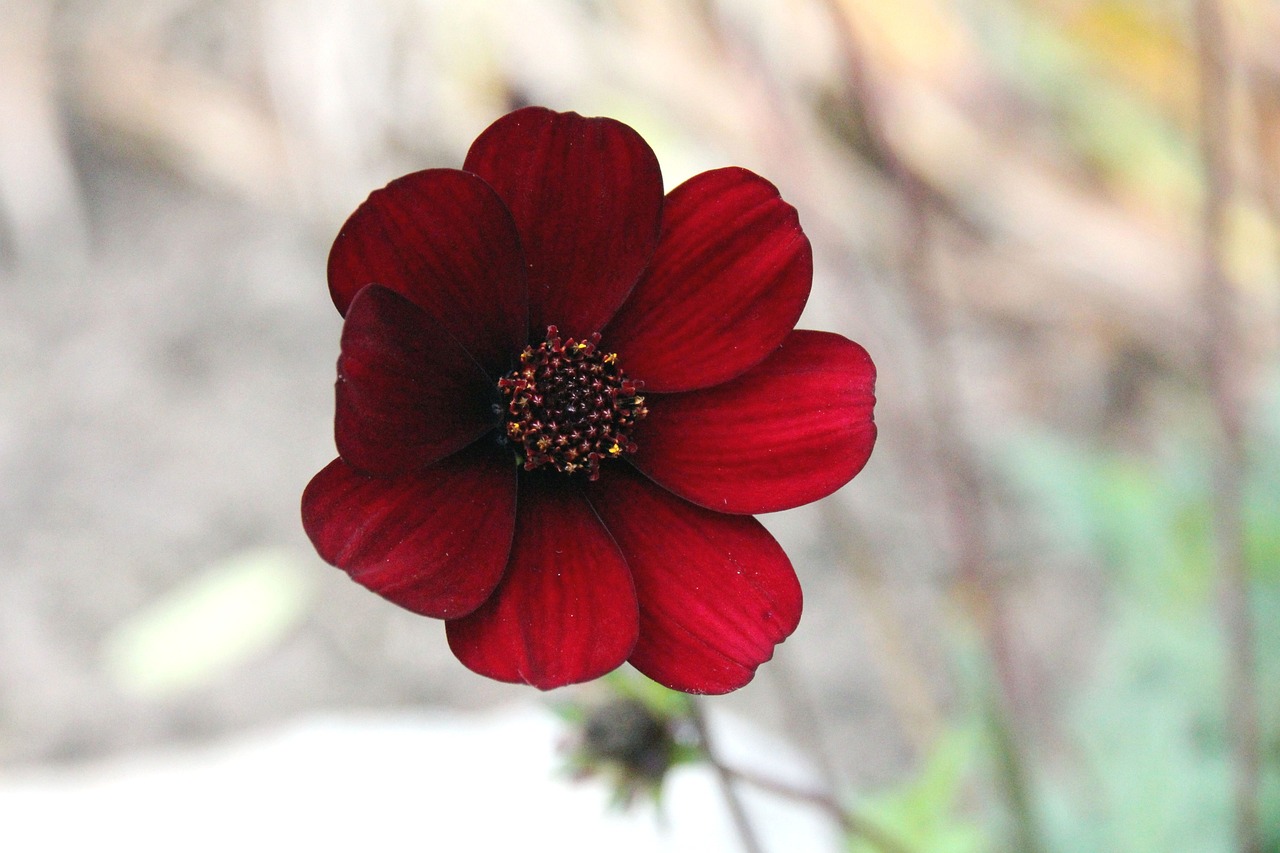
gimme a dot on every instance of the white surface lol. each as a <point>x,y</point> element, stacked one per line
<point>376,783</point>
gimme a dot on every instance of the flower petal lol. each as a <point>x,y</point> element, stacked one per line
<point>789,431</point>
<point>408,393</point>
<point>435,541</point>
<point>586,194</point>
<point>727,283</point>
<point>716,592</point>
<point>445,240</point>
<point>566,610</point>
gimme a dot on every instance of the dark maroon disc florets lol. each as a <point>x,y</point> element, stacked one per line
<point>570,406</point>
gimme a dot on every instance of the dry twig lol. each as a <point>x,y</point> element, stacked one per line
<point>960,485</point>
<point>1224,376</point>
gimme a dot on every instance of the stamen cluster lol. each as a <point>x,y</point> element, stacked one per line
<point>569,406</point>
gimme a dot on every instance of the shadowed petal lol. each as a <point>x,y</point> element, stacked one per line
<point>791,430</point>
<point>728,281</point>
<point>565,611</point>
<point>445,240</point>
<point>586,194</point>
<point>435,541</point>
<point>408,394</point>
<point>716,592</point>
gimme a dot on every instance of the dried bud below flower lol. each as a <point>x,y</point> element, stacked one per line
<point>631,745</point>
<point>629,733</point>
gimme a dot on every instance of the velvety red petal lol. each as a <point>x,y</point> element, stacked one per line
<point>791,430</point>
<point>435,541</point>
<point>727,283</point>
<point>565,611</point>
<point>586,194</point>
<point>408,393</point>
<point>716,592</point>
<point>445,240</point>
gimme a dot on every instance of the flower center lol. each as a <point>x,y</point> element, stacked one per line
<point>570,406</point>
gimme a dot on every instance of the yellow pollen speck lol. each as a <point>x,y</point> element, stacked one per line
<point>614,450</point>
<point>611,358</point>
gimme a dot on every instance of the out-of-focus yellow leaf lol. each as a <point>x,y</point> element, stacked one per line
<point>1141,51</point>
<point>1251,247</point>
<point>1135,143</point>
<point>217,620</point>
<point>919,37</point>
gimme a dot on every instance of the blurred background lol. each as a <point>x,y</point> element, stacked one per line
<point>1046,616</point>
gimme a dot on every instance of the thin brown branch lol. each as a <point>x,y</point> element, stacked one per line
<point>746,834</point>
<point>960,485</point>
<point>850,822</point>
<point>803,721</point>
<point>905,679</point>
<point>1223,375</point>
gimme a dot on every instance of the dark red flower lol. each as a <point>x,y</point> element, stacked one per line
<point>561,396</point>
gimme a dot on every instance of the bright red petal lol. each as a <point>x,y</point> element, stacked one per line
<point>435,541</point>
<point>408,393</point>
<point>716,591</point>
<point>727,283</point>
<point>566,610</point>
<point>445,240</point>
<point>586,194</point>
<point>791,430</point>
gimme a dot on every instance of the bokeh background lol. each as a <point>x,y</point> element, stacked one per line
<point>1045,616</point>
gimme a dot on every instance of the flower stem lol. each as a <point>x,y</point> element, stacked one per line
<point>1224,375</point>
<point>804,723</point>
<point>746,834</point>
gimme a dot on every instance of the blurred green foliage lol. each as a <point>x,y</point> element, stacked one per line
<point>923,814</point>
<point>1149,766</point>
<point>215,621</point>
